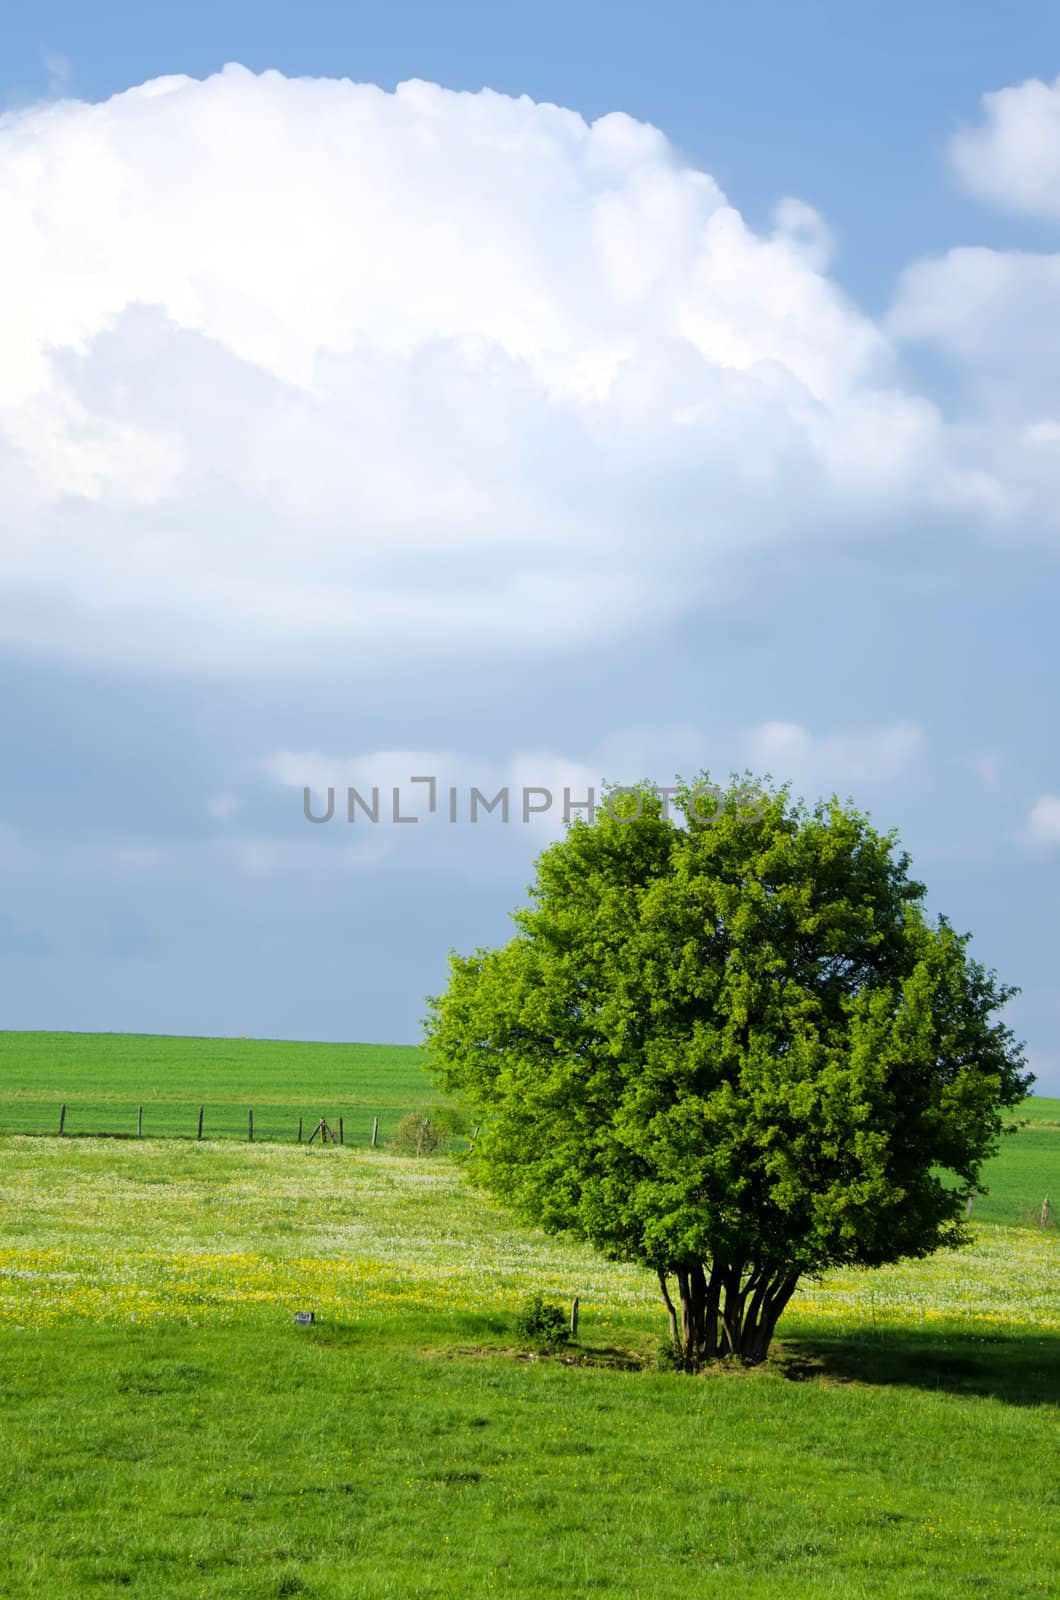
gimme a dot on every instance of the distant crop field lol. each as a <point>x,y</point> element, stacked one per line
<point>1025,1173</point>
<point>1039,1110</point>
<point>104,1078</point>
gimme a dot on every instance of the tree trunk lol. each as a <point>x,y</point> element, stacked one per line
<point>675,1336</point>
<point>733,1311</point>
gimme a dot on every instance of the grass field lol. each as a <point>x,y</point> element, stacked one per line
<point>166,1430</point>
<point>103,1078</point>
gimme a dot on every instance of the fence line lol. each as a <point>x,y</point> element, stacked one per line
<point>268,1132</point>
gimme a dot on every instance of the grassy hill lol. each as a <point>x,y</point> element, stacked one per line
<point>103,1079</point>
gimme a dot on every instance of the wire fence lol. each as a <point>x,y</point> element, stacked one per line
<point>355,1126</point>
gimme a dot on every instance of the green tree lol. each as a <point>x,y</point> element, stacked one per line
<point>731,1047</point>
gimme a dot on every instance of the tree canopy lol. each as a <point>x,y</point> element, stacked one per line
<point>732,1047</point>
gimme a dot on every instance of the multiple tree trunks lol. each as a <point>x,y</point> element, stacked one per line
<point>732,1311</point>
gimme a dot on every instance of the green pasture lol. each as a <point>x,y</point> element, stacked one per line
<point>167,1430</point>
<point>205,1463</point>
<point>103,1079</point>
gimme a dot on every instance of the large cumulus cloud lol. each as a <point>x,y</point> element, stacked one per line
<point>297,366</point>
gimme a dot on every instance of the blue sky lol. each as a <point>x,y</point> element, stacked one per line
<point>347,435</point>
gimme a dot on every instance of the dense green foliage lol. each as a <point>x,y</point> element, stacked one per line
<point>736,1051</point>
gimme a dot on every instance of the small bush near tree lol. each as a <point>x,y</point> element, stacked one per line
<point>448,1122</point>
<point>416,1136</point>
<point>670,1357</point>
<point>541,1324</point>
<point>421,1133</point>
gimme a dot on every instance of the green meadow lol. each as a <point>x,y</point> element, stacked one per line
<point>103,1079</point>
<point>167,1430</point>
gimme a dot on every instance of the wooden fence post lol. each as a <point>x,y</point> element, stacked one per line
<point>342,1134</point>
<point>140,1122</point>
<point>250,1126</point>
<point>968,1207</point>
<point>299,1130</point>
<point>375,1131</point>
<point>1045,1212</point>
<point>62,1119</point>
<point>199,1134</point>
<point>574,1319</point>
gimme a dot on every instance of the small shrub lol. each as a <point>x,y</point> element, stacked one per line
<point>541,1324</point>
<point>451,1123</point>
<point>413,1137</point>
<point>669,1357</point>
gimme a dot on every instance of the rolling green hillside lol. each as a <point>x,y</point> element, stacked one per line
<point>103,1078</point>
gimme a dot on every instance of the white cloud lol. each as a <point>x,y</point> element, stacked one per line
<point>298,367</point>
<point>1012,158</point>
<point>223,806</point>
<point>795,220</point>
<point>623,757</point>
<point>863,756</point>
<point>1044,820</point>
<point>384,781</point>
<point>996,313</point>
